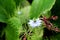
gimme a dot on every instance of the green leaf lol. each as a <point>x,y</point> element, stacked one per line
<point>47,14</point>
<point>8,5</point>
<point>13,29</point>
<point>25,14</point>
<point>21,3</point>
<point>37,34</point>
<point>18,2</point>
<point>39,7</point>
<point>3,15</point>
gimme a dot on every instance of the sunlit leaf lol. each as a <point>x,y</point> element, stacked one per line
<point>39,7</point>
<point>25,14</point>
<point>37,34</point>
<point>13,29</point>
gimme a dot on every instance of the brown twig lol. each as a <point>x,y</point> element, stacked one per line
<point>24,37</point>
<point>49,25</point>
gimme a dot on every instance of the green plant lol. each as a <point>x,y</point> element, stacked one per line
<point>17,13</point>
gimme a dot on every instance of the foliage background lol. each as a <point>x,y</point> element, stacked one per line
<point>54,11</point>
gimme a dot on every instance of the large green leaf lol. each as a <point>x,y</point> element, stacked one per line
<point>13,29</point>
<point>8,5</point>
<point>3,15</point>
<point>39,7</point>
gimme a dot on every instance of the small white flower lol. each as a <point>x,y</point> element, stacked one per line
<point>35,23</point>
<point>19,12</point>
